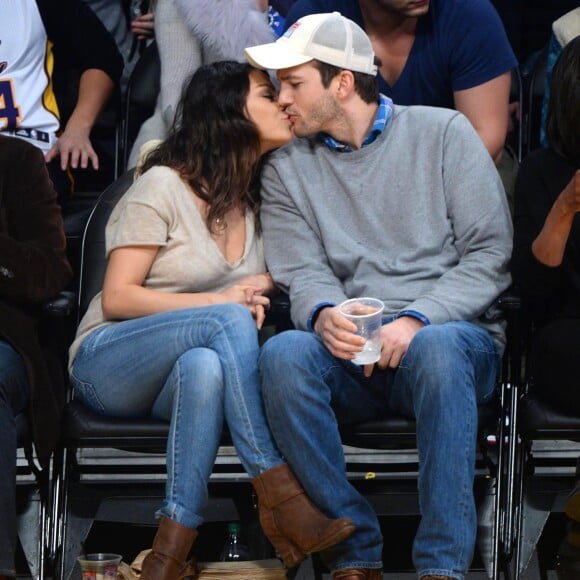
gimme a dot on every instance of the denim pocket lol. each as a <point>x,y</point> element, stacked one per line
<point>87,394</point>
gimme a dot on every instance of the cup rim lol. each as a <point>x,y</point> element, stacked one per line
<point>379,303</point>
<point>100,558</point>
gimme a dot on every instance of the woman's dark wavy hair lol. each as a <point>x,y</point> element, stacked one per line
<point>212,144</point>
<point>563,122</point>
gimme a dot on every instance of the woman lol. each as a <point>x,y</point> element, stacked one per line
<point>173,333</point>
<point>189,34</point>
<point>546,259</point>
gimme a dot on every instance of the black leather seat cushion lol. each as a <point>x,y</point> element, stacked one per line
<point>81,424</point>
<point>392,432</point>
<point>87,428</point>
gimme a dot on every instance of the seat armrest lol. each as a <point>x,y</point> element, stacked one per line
<point>278,314</point>
<point>280,303</point>
<point>509,301</point>
<point>62,305</point>
<point>505,304</point>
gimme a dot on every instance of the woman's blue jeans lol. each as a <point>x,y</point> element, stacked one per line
<point>14,394</point>
<point>447,371</point>
<point>194,367</point>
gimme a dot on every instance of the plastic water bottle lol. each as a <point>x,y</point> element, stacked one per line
<point>234,549</point>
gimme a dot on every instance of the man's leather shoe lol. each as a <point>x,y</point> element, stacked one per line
<point>358,574</point>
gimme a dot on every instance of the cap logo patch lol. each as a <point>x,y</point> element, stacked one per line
<point>291,30</point>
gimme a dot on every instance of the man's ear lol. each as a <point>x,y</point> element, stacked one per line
<point>345,84</point>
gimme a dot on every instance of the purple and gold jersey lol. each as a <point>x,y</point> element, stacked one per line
<point>27,103</point>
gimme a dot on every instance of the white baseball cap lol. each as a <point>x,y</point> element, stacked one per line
<point>329,38</point>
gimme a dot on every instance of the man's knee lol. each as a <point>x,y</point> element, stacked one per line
<point>423,357</point>
<point>286,349</point>
<point>449,359</point>
<point>282,361</point>
<point>439,346</point>
<point>438,361</point>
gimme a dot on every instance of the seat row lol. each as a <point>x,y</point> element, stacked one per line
<point>80,480</point>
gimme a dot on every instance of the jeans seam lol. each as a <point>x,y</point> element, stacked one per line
<point>235,387</point>
<point>467,493</point>
<point>174,439</point>
<point>87,393</point>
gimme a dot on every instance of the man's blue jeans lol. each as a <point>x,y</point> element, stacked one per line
<point>14,394</point>
<point>194,367</point>
<point>447,370</point>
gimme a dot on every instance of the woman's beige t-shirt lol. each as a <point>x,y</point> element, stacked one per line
<point>159,209</point>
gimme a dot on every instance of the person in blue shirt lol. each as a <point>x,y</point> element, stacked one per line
<point>277,10</point>
<point>442,53</point>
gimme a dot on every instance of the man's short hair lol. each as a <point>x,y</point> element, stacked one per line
<point>365,85</point>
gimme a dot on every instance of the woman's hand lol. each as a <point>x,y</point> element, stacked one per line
<point>550,245</point>
<point>124,295</point>
<point>264,281</point>
<point>251,297</point>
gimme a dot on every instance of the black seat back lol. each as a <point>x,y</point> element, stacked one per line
<point>141,97</point>
<point>535,97</point>
<point>94,262</point>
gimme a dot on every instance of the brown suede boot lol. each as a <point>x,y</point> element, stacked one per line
<point>292,523</point>
<point>358,574</point>
<point>171,546</point>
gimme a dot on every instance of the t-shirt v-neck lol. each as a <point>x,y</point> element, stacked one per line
<point>249,221</point>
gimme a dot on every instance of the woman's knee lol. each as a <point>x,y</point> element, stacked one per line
<point>235,319</point>
<point>195,383</point>
<point>200,372</point>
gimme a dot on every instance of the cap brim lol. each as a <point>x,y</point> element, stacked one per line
<point>274,56</point>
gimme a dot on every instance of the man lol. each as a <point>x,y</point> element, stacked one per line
<point>441,53</point>
<point>29,31</point>
<point>33,268</point>
<point>401,204</point>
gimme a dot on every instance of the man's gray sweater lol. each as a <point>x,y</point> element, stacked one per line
<point>418,219</point>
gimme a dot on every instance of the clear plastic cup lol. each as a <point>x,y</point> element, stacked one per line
<point>367,314</point>
<point>99,566</point>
